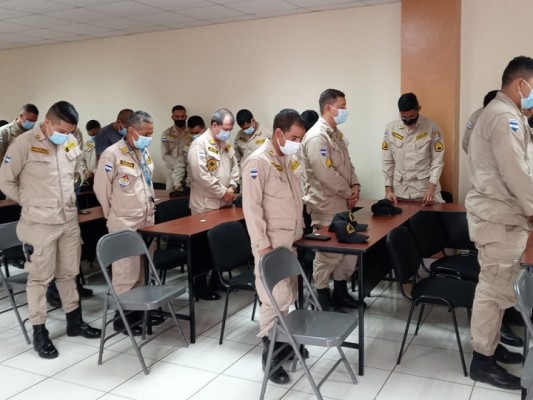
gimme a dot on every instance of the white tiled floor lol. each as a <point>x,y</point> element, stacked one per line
<point>430,369</point>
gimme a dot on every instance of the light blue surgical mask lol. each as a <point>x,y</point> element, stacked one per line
<point>194,137</point>
<point>526,102</point>
<point>58,138</point>
<point>28,124</point>
<point>142,142</point>
<point>250,130</point>
<point>342,115</point>
<point>223,135</point>
<point>123,131</point>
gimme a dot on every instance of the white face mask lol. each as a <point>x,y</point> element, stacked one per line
<point>290,148</point>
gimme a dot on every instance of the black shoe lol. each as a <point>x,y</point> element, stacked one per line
<point>511,316</point>
<point>42,343</point>
<point>507,357</point>
<point>485,369</point>
<point>324,299</point>
<point>288,349</point>
<point>278,376</point>
<point>76,326</point>
<point>52,296</point>
<point>341,297</point>
<point>206,295</point>
<point>85,292</point>
<point>118,324</point>
<point>508,337</point>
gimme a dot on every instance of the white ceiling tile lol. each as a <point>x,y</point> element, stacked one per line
<point>211,12</point>
<point>7,27</point>
<point>7,14</point>
<point>380,2</point>
<point>337,6</point>
<point>14,38</point>
<point>82,29</point>
<point>46,34</point>
<point>318,3</point>
<point>126,9</point>
<point>85,3</point>
<point>120,23</point>
<point>261,6</point>
<point>164,18</point>
<point>279,13</point>
<point>34,6</point>
<point>173,5</point>
<point>40,21</point>
<point>79,14</point>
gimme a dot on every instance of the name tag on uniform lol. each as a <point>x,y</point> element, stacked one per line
<point>70,146</point>
<point>397,135</point>
<point>39,150</point>
<point>89,145</point>
<point>260,141</point>
<point>294,164</point>
<point>127,163</point>
<point>421,135</point>
<point>212,150</point>
<point>243,139</point>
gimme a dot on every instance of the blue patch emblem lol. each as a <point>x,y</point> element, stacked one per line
<point>513,123</point>
<point>323,151</point>
<point>164,139</point>
<point>253,173</point>
<point>108,167</point>
<point>7,159</point>
<point>469,125</point>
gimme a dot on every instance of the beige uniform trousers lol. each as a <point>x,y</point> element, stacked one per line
<point>284,292</point>
<point>342,266</point>
<point>500,262</point>
<point>56,253</point>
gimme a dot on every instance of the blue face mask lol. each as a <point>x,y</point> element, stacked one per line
<point>28,124</point>
<point>58,138</point>
<point>194,137</point>
<point>526,102</point>
<point>123,131</point>
<point>142,142</point>
<point>342,115</point>
<point>223,135</point>
<point>250,130</point>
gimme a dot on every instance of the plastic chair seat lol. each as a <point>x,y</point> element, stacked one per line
<point>245,280</point>
<point>465,265</point>
<point>147,298</point>
<point>459,293</point>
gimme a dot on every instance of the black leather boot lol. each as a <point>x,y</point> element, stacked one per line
<point>507,357</point>
<point>118,324</point>
<point>76,326</point>
<point>324,299</point>
<point>485,369</point>
<point>508,337</point>
<point>341,297</point>
<point>279,376</point>
<point>42,343</point>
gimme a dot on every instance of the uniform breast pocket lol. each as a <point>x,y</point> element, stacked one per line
<point>73,153</point>
<point>39,157</point>
<point>127,179</point>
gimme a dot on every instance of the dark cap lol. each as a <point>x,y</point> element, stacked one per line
<point>346,232</point>
<point>348,217</point>
<point>385,208</point>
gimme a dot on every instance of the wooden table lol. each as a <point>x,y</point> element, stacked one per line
<point>372,256</point>
<point>192,230</point>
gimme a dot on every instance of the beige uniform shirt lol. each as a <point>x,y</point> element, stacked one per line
<point>40,176</point>
<point>8,133</point>
<point>213,170</point>
<point>412,160</point>
<point>502,186</point>
<point>247,144</point>
<point>172,145</point>
<point>181,173</point>
<point>89,154</point>
<point>469,128</point>
<point>120,186</point>
<point>329,172</point>
<point>271,196</point>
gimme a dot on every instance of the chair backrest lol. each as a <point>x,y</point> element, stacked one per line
<point>10,213</point>
<point>230,245</point>
<point>523,288</point>
<point>403,254</point>
<point>8,236</point>
<point>429,232</point>
<point>172,209</point>
<point>279,264</point>
<point>446,196</point>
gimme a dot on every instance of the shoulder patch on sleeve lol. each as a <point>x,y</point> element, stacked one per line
<point>7,159</point>
<point>108,167</point>
<point>323,151</point>
<point>329,163</point>
<point>439,146</point>
<point>469,125</point>
<point>254,173</point>
<point>513,124</point>
<point>384,145</point>
<point>201,153</point>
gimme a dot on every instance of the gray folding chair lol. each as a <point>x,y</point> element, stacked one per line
<point>523,288</point>
<point>302,326</point>
<point>15,284</point>
<point>119,245</point>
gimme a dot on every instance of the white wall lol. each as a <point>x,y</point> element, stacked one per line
<point>493,32</point>
<point>262,65</point>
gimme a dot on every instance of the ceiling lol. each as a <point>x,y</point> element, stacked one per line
<point>26,23</point>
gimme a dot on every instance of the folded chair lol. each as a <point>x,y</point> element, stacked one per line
<point>119,245</point>
<point>302,326</point>
<point>230,247</point>
<point>449,292</point>
<point>11,285</point>
<point>523,288</point>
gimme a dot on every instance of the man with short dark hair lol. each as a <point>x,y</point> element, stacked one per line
<point>473,119</point>
<point>89,150</point>
<point>38,173</point>
<point>24,122</point>
<point>112,133</point>
<point>173,142</point>
<point>272,205</point>
<point>412,155</point>
<point>500,212</point>
<point>251,136</point>
<point>331,187</point>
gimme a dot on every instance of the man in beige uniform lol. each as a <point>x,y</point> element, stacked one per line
<point>412,155</point>
<point>123,186</point>
<point>24,122</point>
<point>272,205</point>
<point>331,187</point>
<point>173,141</point>
<point>251,136</point>
<point>181,174</point>
<point>38,173</point>
<point>89,149</point>
<point>499,210</point>
<point>472,121</point>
